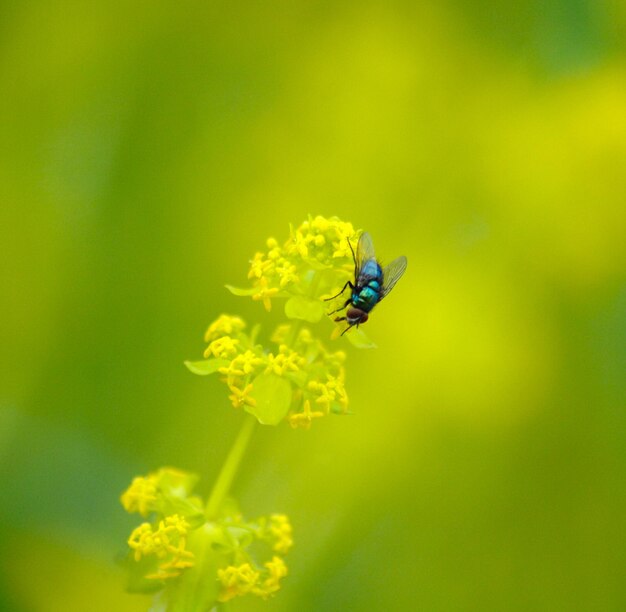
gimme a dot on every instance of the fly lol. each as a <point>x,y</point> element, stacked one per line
<point>371,284</point>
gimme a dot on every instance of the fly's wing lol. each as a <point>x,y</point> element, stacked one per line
<point>392,274</point>
<point>364,251</point>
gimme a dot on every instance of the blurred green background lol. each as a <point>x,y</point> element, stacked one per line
<point>148,150</point>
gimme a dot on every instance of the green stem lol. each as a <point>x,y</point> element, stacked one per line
<point>296,324</point>
<point>229,469</point>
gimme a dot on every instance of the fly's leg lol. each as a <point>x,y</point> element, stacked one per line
<point>350,326</point>
<point>356,265</point>
<point>347,328</point>
<point>348,284</point>
<point>353,256</point>
<point>338,309</point>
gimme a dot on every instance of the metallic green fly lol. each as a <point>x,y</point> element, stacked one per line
<point>371,284</point>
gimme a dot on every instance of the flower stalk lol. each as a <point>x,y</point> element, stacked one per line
<point>229,470</point>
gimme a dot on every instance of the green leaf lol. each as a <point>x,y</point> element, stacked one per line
<point>298,378</point>
<point>304,308</point>
<point>240,291</point>
<point>175,481</point>
<point>136,577</point>
<point>191,508</point>
<point>358,338</point>
<point>208,366</point>
<point>273,398</point>
<point>242,537</point>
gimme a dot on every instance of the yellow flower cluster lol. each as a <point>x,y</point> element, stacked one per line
<point>141,495</point>
<point>147,494</point>
<point>249,577</point>
<point>284,361</point>
<point>314,374</point>
<point>238,580</point>
<point>321,240</point>
<point>317,244</point>
<point>281,531</point>
<point>224,325</point>
<point>165,494</point>
<point>185,540</point>
<point>324,385</point>
<point>167,542</point>
<point>330,392</point>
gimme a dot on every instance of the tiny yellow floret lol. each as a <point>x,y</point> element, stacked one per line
<point>264,293</point>
<point>287,273</point>
<point>260,266</point>
<point>140,496</point>
<point>305,418</point>
<point>222,348</point>
<point>286,361</point>
<point>241,397</point>
<point>224,325</point>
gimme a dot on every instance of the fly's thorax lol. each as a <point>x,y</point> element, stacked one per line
<point>365,298</point>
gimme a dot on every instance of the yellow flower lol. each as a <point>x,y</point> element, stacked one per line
<point>336,359</point>
<point>148,493</point>
<point>232,372</point>
<point>241,397</point>
<point>287,273</point>
<point>320,223</point>
<point>305,418</point>
<point>259,266</point>
<point>140,496</point>
<point>277,568</point>
<point>236,580</point>
<point>248,362</point>
<point>280,333</point>
<point>342,248</point>
<point>167,542</point>
<point>275,252</point>
<point>168,547</point>
<point>276,571</point>
<point>281,530</point>
<point>240,366</point>
<point>293,268</point>
<point>264,293</point>
<point>224,325</point>
<point>299,244</point>
<point>330,391</point>
<point>305,336</point>
<point>224,347</point>
<point>286,361</point>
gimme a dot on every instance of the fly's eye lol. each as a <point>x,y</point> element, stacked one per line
<point>356,315</point>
